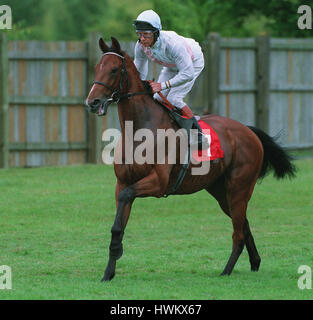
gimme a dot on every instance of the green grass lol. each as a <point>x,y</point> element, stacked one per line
<point>302,154</point>
<point>55,231</point>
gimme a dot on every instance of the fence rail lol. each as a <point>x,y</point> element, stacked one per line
<point>260,81</point>
<point>264,82</point>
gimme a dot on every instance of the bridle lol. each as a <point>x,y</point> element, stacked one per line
<point>123,73</point>
<point>116,94</point>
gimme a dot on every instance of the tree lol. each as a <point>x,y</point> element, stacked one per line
<point>232,18</point>
<point>118,16</point>
<point>279,16</point>
<point>73,19</point>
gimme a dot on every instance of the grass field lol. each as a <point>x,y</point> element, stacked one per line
<point>55,231</point>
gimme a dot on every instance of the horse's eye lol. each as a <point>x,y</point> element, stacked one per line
<point>114,71</point>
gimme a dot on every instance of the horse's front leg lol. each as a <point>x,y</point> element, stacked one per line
<point>152,185</point>
<point>124,200</point>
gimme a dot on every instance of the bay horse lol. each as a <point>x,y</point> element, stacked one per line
<point>249,154</point>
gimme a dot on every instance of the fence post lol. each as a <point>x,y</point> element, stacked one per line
<point>94,123</point>
<point>213,67</point>
<point>4,102</point>
<point>262,82</point>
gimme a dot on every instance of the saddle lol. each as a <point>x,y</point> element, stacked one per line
<point>174,112</point>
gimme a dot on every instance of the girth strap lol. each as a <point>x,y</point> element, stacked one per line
<point>186,124</point>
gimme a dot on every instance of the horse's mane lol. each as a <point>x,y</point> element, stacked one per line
<point>147,86</point>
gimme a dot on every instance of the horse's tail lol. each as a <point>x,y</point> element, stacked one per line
<point>275,157</point>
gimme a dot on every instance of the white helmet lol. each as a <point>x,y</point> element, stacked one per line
<point>148,20</point>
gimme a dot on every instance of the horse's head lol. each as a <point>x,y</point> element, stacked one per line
<point>110,75</point>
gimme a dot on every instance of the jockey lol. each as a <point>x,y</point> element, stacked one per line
<point>181,58</point>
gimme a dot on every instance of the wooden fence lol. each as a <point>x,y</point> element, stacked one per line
<point>43,85</point>
<point>264,82</point>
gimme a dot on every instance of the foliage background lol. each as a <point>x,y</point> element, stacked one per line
<point>73,19</point>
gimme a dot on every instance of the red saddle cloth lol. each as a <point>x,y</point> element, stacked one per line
<point>214,151</point>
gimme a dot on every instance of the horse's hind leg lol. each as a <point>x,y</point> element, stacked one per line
<point>235,208</point>
<point>239,189</point>
<point>254,257</point>
<point>238,216</point>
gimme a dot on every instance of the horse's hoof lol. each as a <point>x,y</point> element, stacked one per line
<point>225,273</point>
<point>108,276</point>
<point>109,272</point>
<point>255,266</point>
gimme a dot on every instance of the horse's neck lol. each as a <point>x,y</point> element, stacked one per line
<point>141,110</point>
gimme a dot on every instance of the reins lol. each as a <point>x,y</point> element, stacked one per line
<point>116,95</point>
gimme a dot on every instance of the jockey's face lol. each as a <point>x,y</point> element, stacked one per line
<point>146,38</point>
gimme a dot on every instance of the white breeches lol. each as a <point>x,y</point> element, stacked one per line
<point>176,95</point>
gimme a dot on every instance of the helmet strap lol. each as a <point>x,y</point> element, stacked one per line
<point>156,34</point>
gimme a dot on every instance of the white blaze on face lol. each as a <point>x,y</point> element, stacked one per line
<point>90,93</point>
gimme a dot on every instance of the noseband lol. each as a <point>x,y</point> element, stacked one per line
<point>116,94</point>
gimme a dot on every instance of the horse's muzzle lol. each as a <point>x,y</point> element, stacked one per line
<point>99,106</point>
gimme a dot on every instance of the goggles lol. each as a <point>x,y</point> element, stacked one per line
<point>144,34</point>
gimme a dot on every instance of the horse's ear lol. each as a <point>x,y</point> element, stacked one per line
<point>103,46</point>
<point>116,45</point>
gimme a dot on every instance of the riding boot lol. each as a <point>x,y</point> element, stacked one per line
<point>202,140</point>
